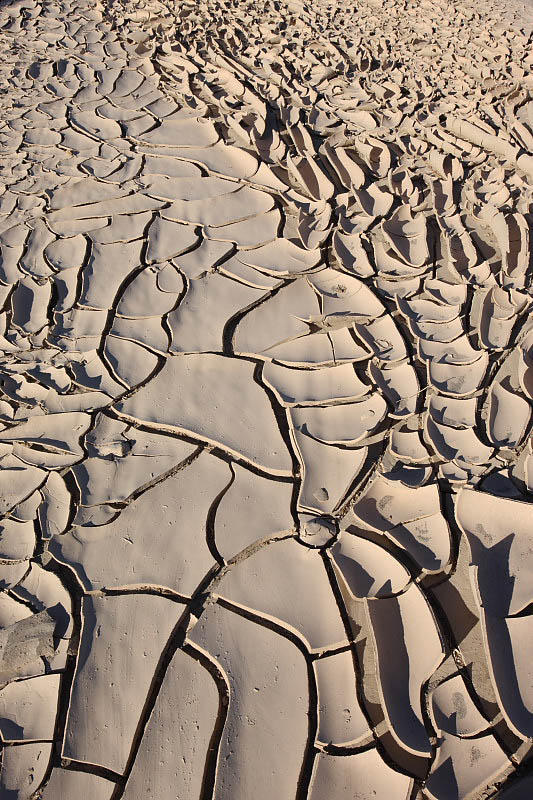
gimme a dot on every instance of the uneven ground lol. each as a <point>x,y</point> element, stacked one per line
<point>266,464</point>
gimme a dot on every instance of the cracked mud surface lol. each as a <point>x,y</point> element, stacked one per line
<point>266,381</point>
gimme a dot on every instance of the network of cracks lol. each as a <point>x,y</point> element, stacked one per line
<point>266,381</point>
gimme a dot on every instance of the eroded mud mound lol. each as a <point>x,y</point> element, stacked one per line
<point>266,381</point>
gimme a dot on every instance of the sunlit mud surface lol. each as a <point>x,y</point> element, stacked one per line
<point>266,381</point>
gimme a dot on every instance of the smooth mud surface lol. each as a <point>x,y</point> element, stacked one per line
<point>266,382</point>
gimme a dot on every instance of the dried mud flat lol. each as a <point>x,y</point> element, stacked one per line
<point>266,381</point>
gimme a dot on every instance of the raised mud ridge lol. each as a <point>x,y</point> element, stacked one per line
<point>266,380</point>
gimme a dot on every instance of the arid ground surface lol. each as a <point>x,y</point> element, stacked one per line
<point>266,382</point>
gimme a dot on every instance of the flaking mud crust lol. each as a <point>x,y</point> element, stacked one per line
<point>266,382</point>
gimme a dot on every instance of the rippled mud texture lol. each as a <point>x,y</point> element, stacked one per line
<point>266,465</point>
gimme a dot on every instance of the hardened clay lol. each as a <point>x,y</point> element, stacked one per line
<point>266,394</point>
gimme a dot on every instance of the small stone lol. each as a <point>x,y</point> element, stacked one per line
<point>317,531</point>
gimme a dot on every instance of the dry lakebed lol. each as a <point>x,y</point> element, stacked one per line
<point>266,395</point>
